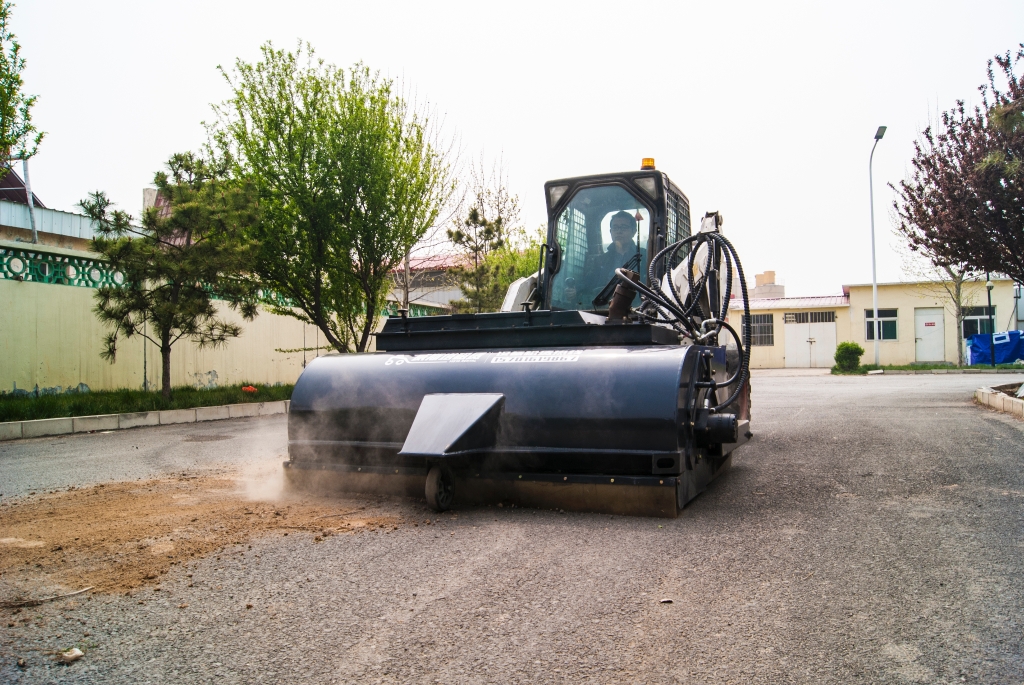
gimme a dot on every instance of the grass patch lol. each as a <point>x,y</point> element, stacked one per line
<point>127,401</point>
<point>864,368</point>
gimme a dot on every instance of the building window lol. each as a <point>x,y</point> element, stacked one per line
<point>976,320</point>
<point>886,324</point>
<point>762,329</point>
<point>823,317</point>
<point>809,317</point>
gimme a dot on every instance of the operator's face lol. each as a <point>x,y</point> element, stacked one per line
<point>622,232</point>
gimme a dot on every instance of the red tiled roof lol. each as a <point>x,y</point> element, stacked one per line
<point>12,189</point>
<point>438,262</point>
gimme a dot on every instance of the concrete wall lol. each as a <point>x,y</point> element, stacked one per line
<point>50,337</point>
<point>24,235</point>
<point>906,297</point>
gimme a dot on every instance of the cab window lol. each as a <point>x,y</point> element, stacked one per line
<point>600,230</point>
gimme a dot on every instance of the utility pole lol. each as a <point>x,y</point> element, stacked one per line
<point>877,329</point>
<point>31,206</point>
<point>991,319</point>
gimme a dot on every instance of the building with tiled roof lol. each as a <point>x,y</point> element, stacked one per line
<point>915,322</point>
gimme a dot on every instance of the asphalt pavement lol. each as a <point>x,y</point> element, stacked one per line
<point>870,532</point>
<point>77,459</point>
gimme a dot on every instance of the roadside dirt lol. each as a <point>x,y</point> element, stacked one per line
<point>120,536</point>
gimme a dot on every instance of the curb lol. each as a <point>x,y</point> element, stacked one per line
<point>912,372</point>
<point>987,397</point>
<point>15,430</point>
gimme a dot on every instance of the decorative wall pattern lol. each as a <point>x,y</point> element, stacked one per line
<point>38,265</point>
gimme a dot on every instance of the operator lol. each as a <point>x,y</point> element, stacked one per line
<point>623,229</point>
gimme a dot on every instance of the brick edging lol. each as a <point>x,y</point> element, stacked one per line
<point>14,430</point>
<point>999,401</point>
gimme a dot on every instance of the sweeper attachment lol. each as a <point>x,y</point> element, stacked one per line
<point>618,385</point>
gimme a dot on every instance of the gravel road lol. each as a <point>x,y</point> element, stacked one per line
<point>871,532</point>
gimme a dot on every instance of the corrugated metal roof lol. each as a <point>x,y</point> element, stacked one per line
<point>821,302</point>
<point>47,220</point>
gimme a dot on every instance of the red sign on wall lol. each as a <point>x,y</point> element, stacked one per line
<point>929,323</point>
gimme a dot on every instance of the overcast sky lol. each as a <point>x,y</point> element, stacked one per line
<point>763,111</point>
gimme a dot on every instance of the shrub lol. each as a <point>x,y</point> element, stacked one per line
<point>848,356</point>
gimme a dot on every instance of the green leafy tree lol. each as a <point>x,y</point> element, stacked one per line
<point>18,135</point>
<point>478,238</point>
<point>962,205</point>
<point>185,251</point>
<point>517,258</point>
<point>348,177</point>
<point>492,244</point>
<point>486,284</point>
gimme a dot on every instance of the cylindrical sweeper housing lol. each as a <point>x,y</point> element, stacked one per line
<point>598,409</point>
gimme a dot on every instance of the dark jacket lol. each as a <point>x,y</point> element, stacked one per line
<point>600,269</point>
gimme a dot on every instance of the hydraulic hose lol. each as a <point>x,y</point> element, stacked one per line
<point>677,313</point>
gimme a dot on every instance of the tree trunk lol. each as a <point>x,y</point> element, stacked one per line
<point>959,341</point>
<point>331,338</point>
<point>406,285</point>
<point>364,338</point>
<point>165,358</point>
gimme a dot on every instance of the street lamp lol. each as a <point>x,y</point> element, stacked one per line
<point>874,274</point>
<point>991,319</point>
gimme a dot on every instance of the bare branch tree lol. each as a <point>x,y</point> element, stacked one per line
<point>413,284</point>
<point>957,287</point>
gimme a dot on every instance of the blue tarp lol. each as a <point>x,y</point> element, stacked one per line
<point>1009,348</point>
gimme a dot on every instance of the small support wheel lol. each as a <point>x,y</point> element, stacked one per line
<point>440,488</point>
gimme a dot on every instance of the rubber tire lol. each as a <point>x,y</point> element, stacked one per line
<point>440,488</point>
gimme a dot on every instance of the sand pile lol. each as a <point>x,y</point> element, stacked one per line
<point>119,536</point>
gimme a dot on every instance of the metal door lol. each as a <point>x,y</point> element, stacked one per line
<point>798,345</point>
<point>823,349</point>
<point>929,334</point>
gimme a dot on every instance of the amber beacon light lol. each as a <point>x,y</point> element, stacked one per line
<point>647,163</point>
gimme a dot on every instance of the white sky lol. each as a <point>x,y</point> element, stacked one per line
<point>763,111</point>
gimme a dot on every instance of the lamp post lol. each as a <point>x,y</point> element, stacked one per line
<point>991,320</point>
<point>877,330</point>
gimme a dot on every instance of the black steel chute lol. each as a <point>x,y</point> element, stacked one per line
<point>449,424</point>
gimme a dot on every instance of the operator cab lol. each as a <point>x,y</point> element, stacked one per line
<point>596,224</point>
<point>600,223</point>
